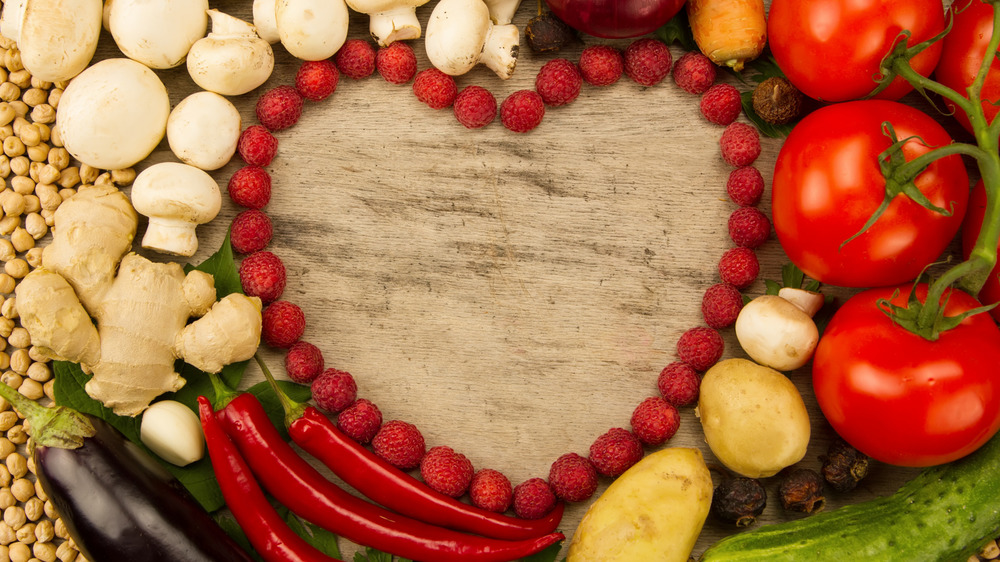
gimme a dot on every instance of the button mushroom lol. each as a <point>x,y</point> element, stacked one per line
<point>232,59</point>
<point>157,33</point>
<point>460,35</point>
<point>203,130</point>
<point>263,20</point>
<point>56,38</point>
<point>177,198</point>
<point>390,20</point>
<point>778,330</point>
<point>312,29</point>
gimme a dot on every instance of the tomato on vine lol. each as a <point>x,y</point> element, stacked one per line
<point>962,52</point>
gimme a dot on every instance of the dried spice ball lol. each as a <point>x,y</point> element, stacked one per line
<point>333,390</point>
<point>262,275</point>
<point>546,32</point>
<point>694,72</point>
<point>303,362</point>
<point>739,500</point>
<point>491,490</point>
<point>251,231</point>
<point>745,186</point>
<point>573,478</point>
<point>739,267</point>
<point>844,466</point>
<point>317,80</point>
<point>601,65</point>
<point>282,324</point>
<point>778,101</point>
<point>396,63</point>
<point>558,82</point>
<point>475,107</point>
<point>654,421</point>
<point>679,384</point>
<point>435,88</point>
<point>400,444</point>
<point>801,490</point>
<point>355,59</point>
<point>700,347</point>
<point>446,471</point>
<point>533,499</point>
<point>360,421</point>
<point>647,61</point>
<point>522,111</point>
<point>279,108</point>
<point>615,451</point>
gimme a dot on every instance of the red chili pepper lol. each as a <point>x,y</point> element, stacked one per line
<point>299,486</point>
<point>385,484</point>
<point>266,531</point>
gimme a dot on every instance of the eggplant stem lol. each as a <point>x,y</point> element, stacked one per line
<point>56,426</point>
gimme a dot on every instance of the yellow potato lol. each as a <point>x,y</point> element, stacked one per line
<point>654,511</point>
<point>754,418</point>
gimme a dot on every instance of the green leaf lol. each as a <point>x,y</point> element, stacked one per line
<point>233,529</point>
<point>269,400</point>
<point>548,555</point>
<point>222,266</point>
<point>321,539</point>
<point>678,30</point>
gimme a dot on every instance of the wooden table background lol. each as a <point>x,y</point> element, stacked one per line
<point>513,295</point>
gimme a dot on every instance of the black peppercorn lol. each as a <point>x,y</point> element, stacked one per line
<point>545,33</point>
<point>844,466</point>
<point>739,500</point>
<point>802,490</point>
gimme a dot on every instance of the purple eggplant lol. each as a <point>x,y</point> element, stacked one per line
<point>118,503</point>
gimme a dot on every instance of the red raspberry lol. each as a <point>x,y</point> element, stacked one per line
<point>279,108</point>
<point>475,107</point>
<point>316,80</point>
<point>396,63</point>
<point>749,227</point>
<point>400,444</point>
<point>334,390</point>
<point>739,267</point>
<point>721,104</point>
<point>257,146</point>
<point>355,59</point>
<point>491,490</point>
<point>435,88</point>
<point>522,111</point>
<point>250,187</point>
<point>615,451</point>
<point>740,144</point>
<point>282,324</point>
<point>601,65</point>
<point>446,471</point>
<point>655,421</point>
<point>303,362</point>
<point>251,231</point>
<point>573,478</point>
<point>720,305</point>
<point>533,499</point>
<point>745,186</point>
<point>558,82</point>
<point>647,61</point>
<point>694,72</point>
<point>360,421</point>
<point>263,275</point>
<point>700,347</point>
<point>679,383</point>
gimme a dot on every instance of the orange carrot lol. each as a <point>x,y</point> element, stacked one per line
<point>729,32</point>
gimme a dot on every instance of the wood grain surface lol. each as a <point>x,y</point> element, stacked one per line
<point>513,295</point>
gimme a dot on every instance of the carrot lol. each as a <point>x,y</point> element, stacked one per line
<point>729,32</point>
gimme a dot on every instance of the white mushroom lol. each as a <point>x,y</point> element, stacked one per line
<point>158,33</point>
<point>390,20</point>
<point>502,11</point>
<point>177,198</point>
<point>113,114</point>
<point>778,334</point>
<point>203,130</point>
<point>263,20</point>
<point>56,38</point>
<point>460,35</point>
<point>312,29</point>
<point>232,59</point>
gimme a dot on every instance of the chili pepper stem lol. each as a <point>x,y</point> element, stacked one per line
<point>293,410</point>
<point>56,426</point>
<point>223,394</point>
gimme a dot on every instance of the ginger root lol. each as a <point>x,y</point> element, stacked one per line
<point>141,308</point>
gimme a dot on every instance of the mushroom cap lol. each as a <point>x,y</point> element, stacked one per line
<point>378,6</point>
<point>176,191</point>
<point>58,38</point>
<point>263,20</point>
<point>157,34</point>
<point>312,29</point>
<point>456,33</point>
<point>203,130</point>
<point>232,59</point>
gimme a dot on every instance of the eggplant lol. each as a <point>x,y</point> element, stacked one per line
<point>117,501</point>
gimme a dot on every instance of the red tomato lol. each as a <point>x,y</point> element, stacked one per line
<point>900,398</point>
<point>970,231</point>
<point>827,184</point>
<point>962,54</point>
<point>830,49</point>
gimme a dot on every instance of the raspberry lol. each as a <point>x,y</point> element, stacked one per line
<point>615,451</point>
<point>647,61</point>
<point>700,347</point>
<point>721,305</point>
<point>601,65</point>
<point>679,383</point>
<point>533,499</point>
<point>740,144</point>
<point>257,146</point>
<point>655,420</point>
<point>400,444</point>
<point>396,63</point>
<point>558,82</point>
<point>573,478</point>
<point>360,421</point>
<point>739,267</point>
<point>435,88</point>
<point>694,72</point>
<point>745,186</point>
<point>263,275</point>
<point>282,324</point>
<point>250,187</point>
<point>303,362</point>
<point>475,107</point>
<point>491,490</point>
<point>316,80</point>
<point>334,390</point>
<point>749,227</point>
<point>355,59</point>
<point>522,111</point>
<point>279,108</point>
<point>251,231</point>
<point>721,104</point>
<point>446,471</point>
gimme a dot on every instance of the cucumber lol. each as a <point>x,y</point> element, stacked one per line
<point>946,512</point>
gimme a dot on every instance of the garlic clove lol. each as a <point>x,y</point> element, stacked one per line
<point>172,431</point>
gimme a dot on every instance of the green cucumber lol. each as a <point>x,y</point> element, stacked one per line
<point>946,512</point>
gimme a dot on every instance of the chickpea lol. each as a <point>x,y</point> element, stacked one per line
<point>19,362</point>
<point>8,224</point>
<point>34,509</point>
<point>39,372</point>
<point>7,284</point>
<point>17,464</point>
<point>6,534</point>
<point>50,173</point>
<point>20,165</point>
<point>6,326</point>
<point>12,146</point>
<point>38,153</point>
<point>26,533</point>
<point>69,178</point>
<point>14,516</point>
<point>12,202</point>
<point>43,113</point>
<point>9,91</point>
<point>35,227</point>
<point>8,419</point>
<point>29,134</point>
<point>7,252</point>
<point>37,355</point>
<point>49,217</point>
<point>18,436</point>
<point>31,389</point>
<point>35,96</point>
<point>49,388</point>
<point>31,203</point>
<point>34,255</point>
<point>7,114</point>
<point>17,267</point>
<point>20,552</point>
<point>66,553</point>
<point>44,551</point>
<point>13,380</point>
<point>55,94</point>
<point>35,168</point>
<point>40,494</point>
<point>48,196</point>
<point>22,489</point>
<point>12,59</point>
<point>50,512</point>
<point>123,177</point>
<point>7,498</point>
<point>44,130</point>
<point>21,109</point>
<point>4,166</point>
<point>59,527</point>
<point>6,448</point>
<point>22,185</point>
<point>19,337</point>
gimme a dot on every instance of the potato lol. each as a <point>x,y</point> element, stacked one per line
<point>754,418</point>
<point>654,511</point>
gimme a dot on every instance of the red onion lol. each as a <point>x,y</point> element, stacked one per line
<point>615,19</point>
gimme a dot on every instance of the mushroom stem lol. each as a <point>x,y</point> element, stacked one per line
<point>502,11</point>
<point>397,24</point>
<point>500,50</point>
<point>808,301</point>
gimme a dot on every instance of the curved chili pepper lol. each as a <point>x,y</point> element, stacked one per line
<point>299,486</point>
<point>270,536</point>
<point>385,484</point>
